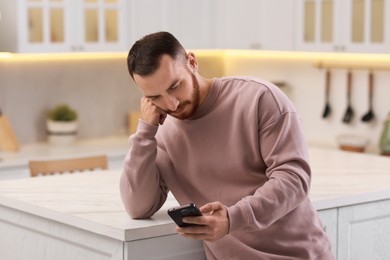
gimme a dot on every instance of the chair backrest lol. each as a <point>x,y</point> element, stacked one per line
<point>50,167</point>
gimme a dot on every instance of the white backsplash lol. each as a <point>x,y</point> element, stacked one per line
<point>101,90</point>
<point>307,91</point>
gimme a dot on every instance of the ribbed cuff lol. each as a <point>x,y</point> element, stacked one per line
<point>146,130</point>
<point>237,217</point>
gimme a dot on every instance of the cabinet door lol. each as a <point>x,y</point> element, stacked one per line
<point>191,22</point>
<point>329,220</point>
<point>318,25</point>
<point>277,25</point>
<point>146,16</point>
<point>366,27</point>
<point>69,25</point>
<point>171,247</point>
<point>364,231</point>
<point>239,24</point>
<point>344,25</point>
<point>43,25</point>
<point>101,26</point>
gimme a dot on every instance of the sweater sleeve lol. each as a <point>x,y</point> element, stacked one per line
<point>142,190</point>
<point>283,148</point>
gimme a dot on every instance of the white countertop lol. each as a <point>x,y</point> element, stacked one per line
<point>91,201</point>
<point>111,146</point>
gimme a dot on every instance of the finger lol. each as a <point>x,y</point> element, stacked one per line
<point>198,220</point>
<point>211,207</point>
<point>197,234</point>
<point>192,229</point>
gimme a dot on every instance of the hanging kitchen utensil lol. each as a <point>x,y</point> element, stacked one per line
<point>370,114</point>
<point>349,112</point>
<point>8,140</point>
<point>327,108</point>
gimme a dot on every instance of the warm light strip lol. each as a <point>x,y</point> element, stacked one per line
<point>5,55</point>
<point>311,56</point>
<point>60,56</point>
<point>319,59</point>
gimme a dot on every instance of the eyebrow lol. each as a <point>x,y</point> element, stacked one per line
<point>171,86</point>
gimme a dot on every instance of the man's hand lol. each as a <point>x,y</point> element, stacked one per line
<point>213,225</point>
<point>150,113</point>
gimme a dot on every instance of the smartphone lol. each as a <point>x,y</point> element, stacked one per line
<point>178,213</point>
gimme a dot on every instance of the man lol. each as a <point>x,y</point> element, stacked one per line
<point>233,144</point>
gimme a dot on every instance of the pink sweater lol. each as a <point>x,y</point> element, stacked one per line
<point>244,147</point>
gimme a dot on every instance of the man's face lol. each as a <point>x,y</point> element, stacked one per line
<point>173,87</point>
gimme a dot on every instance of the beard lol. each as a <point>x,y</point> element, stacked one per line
<point>193,104</point>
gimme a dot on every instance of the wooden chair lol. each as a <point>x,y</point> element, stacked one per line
<point>50,167</point>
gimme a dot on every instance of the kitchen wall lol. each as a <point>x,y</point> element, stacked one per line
<point>103,93</point>
<point>99,88</point>
<point>306,88</point>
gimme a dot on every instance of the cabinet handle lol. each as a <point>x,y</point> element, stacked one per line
<point>255,46</point>
<point>340,48</point>
<point>77,48</point>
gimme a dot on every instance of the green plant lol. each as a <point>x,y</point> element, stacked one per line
<point>62,113</point>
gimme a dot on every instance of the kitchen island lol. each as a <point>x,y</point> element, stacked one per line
<point>80,216</point>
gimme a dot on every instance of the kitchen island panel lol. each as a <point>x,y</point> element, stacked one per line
<point>329,218</point>
<point>25,236</point>
<point>364,231</point>
<point>171,247</point>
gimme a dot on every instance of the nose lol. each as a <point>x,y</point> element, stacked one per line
<point>172,103</point>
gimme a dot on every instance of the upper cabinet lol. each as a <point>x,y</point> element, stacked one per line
<point>192,22</point>
<point>254,24</point>
<point>343,25</point>
<point>62,25</point>
<point>114,25</point>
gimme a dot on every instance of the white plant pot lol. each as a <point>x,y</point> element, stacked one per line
<point>61,133</point>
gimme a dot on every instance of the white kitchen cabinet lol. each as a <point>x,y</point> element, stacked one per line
<point>344,25</point>
<point>254,24</point>
<point>170,247</point>
<point>62,25</point>
<point>191,22</point>
<point>21,170</point>
<point>329,220</point>
<point>32,237</point>
<point>364,231</point>
<point>16,171</point>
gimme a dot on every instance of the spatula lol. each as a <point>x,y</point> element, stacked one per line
<point>370,114</point>
<point>349,112</point>
<point>327,108</point>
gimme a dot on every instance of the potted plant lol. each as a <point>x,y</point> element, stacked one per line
<point>62,125</point>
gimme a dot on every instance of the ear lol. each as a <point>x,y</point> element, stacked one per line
<point>192,62</point>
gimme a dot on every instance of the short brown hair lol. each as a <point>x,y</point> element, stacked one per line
<point>145,55</point>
